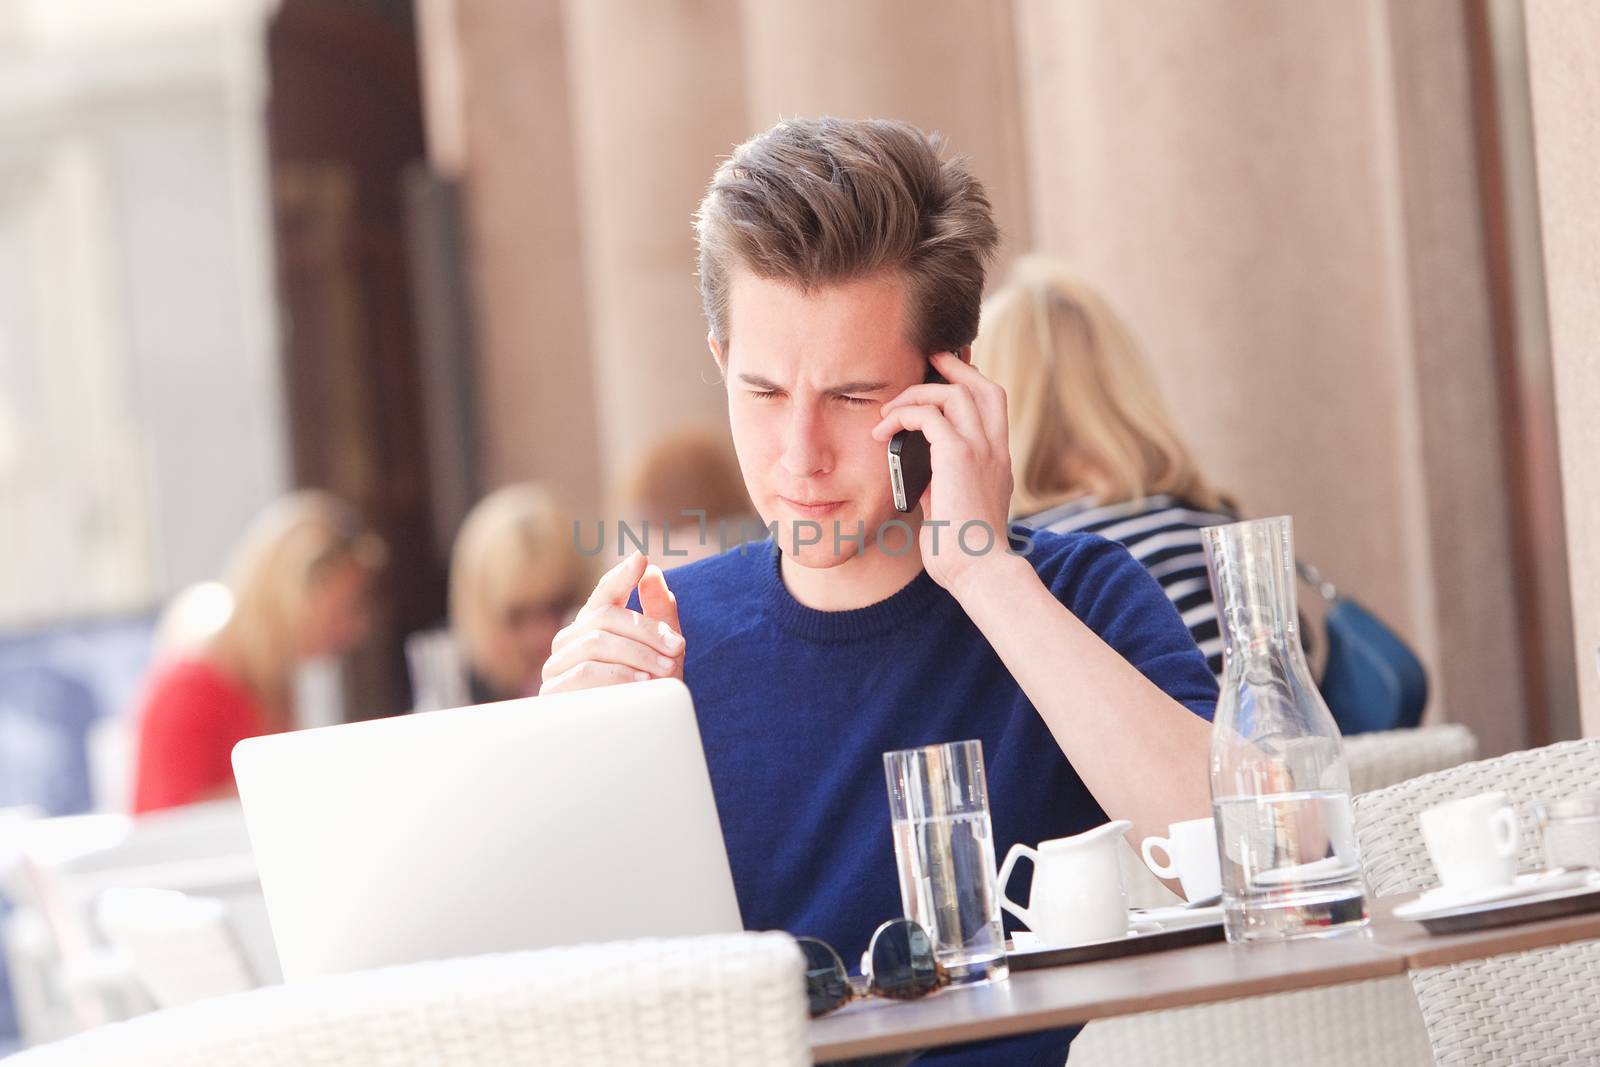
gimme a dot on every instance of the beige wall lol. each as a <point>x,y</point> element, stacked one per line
<point>638,72</point>
<point>1534,402</point>
<point>1564,68</point>
<point>1463,470</point>
<point>1294,235</point>
<point>1282,198</point>
<point>585,133</point>
<point>948,66</point>
<point>513,151</point>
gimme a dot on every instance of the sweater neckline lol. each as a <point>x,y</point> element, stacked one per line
<point>916,600</point>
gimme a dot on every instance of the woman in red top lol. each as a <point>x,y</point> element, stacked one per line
<point>299,583</point>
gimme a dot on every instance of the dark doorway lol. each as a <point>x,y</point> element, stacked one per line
<point>344,121</point>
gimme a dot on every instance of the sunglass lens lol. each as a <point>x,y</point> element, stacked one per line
<point>827,982</point>
<point>903,964</point>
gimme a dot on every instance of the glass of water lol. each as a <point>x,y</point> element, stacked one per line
<point>1570,830</point>
<point>944,848</point>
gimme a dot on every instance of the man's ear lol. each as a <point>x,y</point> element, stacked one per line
<point>965,354</point>
<point>716,352</point>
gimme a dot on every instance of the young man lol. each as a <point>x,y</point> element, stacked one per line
<point>837,260</point>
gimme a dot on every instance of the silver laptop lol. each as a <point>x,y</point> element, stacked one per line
<point>548,821</point>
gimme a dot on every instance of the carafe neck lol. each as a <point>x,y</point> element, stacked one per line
<point>1253,575</point>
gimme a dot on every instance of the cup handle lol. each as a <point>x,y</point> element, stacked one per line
<point>1018,851</point>
<point>1505,830</point>
<point>1164,869</point>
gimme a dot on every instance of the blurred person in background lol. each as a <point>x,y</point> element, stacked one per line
<point>1093,447</point>
<point>691,469</point>
<point>191,620</point>
<point>298,582</point>
<point>516,576</point>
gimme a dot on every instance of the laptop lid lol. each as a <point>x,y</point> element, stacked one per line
<point>554,820</point>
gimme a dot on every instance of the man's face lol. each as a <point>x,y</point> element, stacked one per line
<point>806,375</point>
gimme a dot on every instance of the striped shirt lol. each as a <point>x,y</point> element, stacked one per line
<point>1163,534</point>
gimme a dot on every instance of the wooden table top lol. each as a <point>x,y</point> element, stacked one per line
<point>1421,949</point>
<point>1201,974</point>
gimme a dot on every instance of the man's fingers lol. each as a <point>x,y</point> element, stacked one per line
<point>986,394</point>
<point>603,646</point>
<point>616,584</point>
<point>590,675</point>
<point>624,623</point>
<point>656,600</point>
<point>608,644</point>
<point>955,401</point>
<point>930,421</point>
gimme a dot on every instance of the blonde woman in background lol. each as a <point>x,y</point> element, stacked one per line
<point>1093,447</point>
<point>515,578</point>
<point>298,585</point>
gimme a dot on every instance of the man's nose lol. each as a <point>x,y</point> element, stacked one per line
<point>807,452</point>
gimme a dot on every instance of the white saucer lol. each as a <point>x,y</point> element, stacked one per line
<point>1327,869</point>
<point>1440,900</point>
<point>1178,916</point>
<point>1028,941</point>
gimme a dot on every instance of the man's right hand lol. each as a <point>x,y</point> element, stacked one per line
<point>607,644</point>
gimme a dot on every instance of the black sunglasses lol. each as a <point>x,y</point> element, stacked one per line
<point>900,965</point>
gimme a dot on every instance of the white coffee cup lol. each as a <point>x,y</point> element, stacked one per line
<point>1077,893</point>
<point>1190,848</point>
<point>1472,841</point>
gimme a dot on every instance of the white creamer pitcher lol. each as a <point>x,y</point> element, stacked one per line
<point>1077,893</point>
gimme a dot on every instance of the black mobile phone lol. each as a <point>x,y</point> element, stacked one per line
<point>911,460</point>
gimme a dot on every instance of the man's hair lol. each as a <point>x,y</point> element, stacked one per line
<point>817,202</point>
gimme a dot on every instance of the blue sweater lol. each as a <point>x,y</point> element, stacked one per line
<point>797,706</point>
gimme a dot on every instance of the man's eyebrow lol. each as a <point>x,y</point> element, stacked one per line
<point>842,389</point>
<point>858,387</point>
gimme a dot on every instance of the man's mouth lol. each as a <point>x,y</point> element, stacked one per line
<point>813,507</point>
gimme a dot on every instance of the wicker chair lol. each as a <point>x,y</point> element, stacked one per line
<point>180,947</point>
<point>1392,756</point>
<point>1370,1023</point>
<point>1486,1012</point>
<point>723,1001</point>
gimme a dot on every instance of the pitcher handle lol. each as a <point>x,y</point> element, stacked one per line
<point>1018,851</point>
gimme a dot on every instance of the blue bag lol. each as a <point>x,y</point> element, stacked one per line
<point>1372,679</point>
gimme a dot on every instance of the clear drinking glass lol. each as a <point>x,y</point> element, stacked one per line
<point>1570,831</point>
<point>944,848</point>
<point>1280,788</point>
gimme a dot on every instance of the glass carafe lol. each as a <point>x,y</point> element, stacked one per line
<point>1280,788</point>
